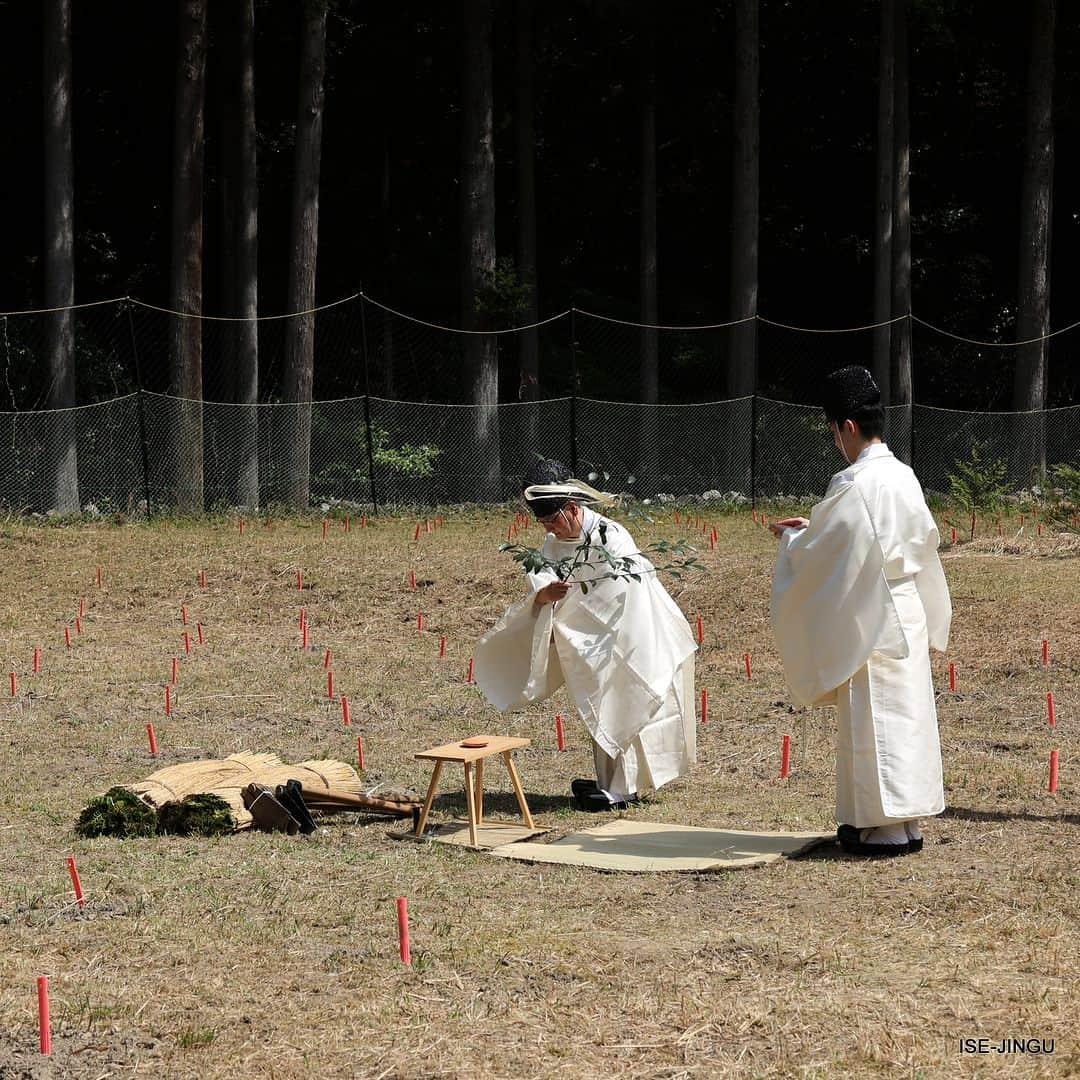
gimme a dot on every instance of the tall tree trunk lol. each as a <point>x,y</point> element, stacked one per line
<point>1033,307</point>
<point>220,470</point>
<point>529,358</point>
<point>187,252</point>
<point>388,382</point>
<point>901,247</point>
<point>736,464</point>
<point>745,182</point>
<point>62,465</point>
<point>649,359</point>
<point>247,265</point>
<point>883,218</point>
<point>300,330</point>
<point>478,244</point>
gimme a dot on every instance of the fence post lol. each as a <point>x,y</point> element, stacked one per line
<point>142,406</point>
<point>367,405</point>
<point>573,391</point>
<point>753,443</point>
<point>911,391</point>
<point>911,435</point>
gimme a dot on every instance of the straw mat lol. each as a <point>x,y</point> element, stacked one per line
<point>643,846</point>
<point>227,777</point>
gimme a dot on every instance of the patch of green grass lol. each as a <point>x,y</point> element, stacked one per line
<point>196,1038</point>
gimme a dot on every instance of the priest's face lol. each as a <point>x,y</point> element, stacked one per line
<point>565,524</point>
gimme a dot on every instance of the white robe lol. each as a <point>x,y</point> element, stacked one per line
<point>625,652</point>
<point>859,598</point>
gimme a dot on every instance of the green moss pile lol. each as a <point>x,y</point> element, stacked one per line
<point>197,815</point>
<point>120,813</point>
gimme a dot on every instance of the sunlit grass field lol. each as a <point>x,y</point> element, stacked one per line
<point>277,956</point>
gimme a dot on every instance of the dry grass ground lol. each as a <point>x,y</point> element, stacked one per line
<point>275,956</point>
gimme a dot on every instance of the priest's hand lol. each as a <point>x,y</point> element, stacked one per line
<point>777,527</point>
<point>557,590</point>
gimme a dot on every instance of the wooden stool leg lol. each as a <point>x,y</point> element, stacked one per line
<point>470,799</point>
<point>480,791</point>
<point>430,798</point>
<point>516,781</point>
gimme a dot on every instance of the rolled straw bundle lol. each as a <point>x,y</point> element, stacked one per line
<point>227,778</point>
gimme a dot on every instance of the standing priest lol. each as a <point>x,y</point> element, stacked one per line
<point>621,646</point>
<point>859,598</point>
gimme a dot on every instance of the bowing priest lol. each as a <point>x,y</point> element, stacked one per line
<point>622,647</point>
<point>859,598</point>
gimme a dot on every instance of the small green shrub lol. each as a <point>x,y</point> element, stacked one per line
<point>978,485</point>
<point>1067,481</point>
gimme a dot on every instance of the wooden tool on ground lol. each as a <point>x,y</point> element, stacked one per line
<point>329,799</point>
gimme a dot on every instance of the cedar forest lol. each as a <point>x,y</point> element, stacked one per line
<point>614,155</point>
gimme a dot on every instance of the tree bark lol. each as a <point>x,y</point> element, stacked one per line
<point>300,330</point>
<point>649,358</point>
<point>387,282</point>
<point>745,183</point>
<point>187,252</point>
<point>901,246</point>
<point>529,358</point>
<point>478,246</point>
<point>221,470</point>
<point>388,381</point>
<point>246,262</point>
<point>59,263</point>
<point>883,219</point>
<point>1033,306</point>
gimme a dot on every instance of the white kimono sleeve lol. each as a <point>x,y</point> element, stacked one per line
<point>515,663</point>
<point>831,606</point>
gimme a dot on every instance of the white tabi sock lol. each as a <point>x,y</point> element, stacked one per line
<point>913,830</point>
<point>886,834</point>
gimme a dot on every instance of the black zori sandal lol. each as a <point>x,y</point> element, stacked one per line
<point>850,839</point>
<point>589,797</point>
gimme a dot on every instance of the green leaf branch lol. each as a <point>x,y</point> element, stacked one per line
<point>680,556</point>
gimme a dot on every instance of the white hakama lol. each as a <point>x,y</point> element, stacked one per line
<point>624,651</point>
<point>859,598</point>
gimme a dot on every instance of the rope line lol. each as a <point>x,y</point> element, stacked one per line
<point>658,326</point>
<point>996,344</point>
<point>468,405</point>
<point>666,404</point>
<point>70,408</point>
<point>523,404</point>
<point>545,322</point>
<point>458,330</point>
<point>65,307</point>
<point>245,318</point>
<point>833,330</point>
<point>992,412</point>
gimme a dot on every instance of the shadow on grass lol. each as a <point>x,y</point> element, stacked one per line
<point>963,813</point>
<point>504,804</point>
<point>830,851</point>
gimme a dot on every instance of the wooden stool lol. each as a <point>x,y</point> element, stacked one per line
<point>474,788</point>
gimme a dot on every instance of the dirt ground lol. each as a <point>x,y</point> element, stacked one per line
<point>277,956</point>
